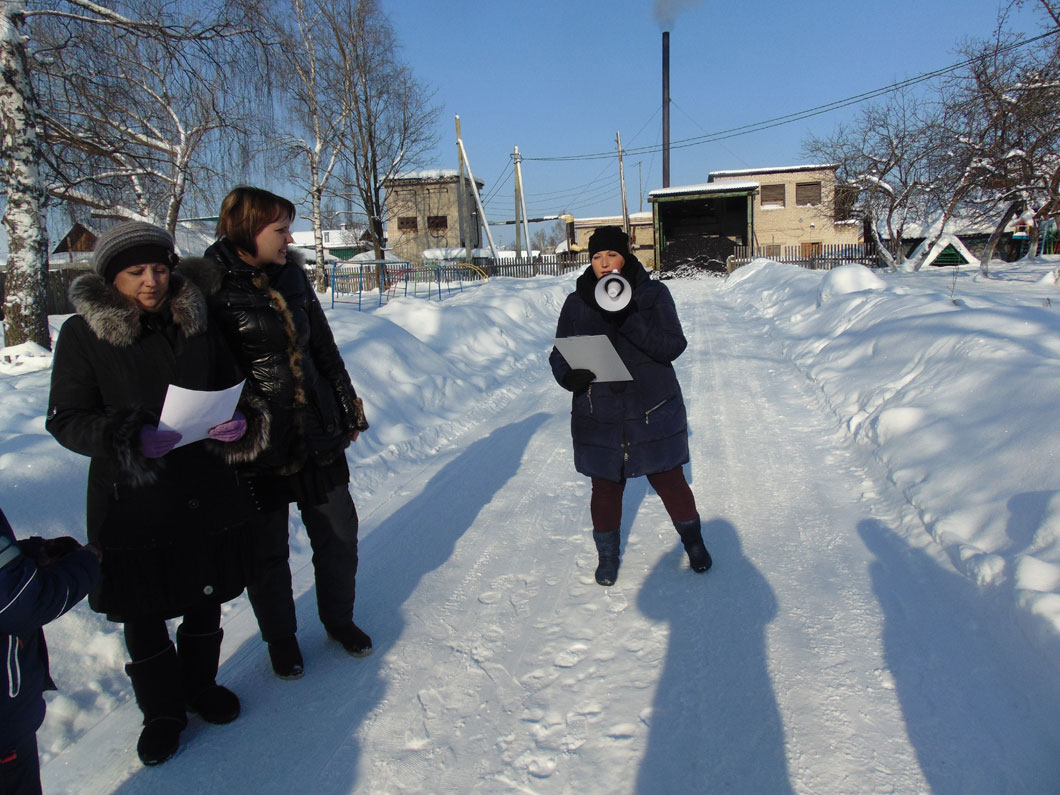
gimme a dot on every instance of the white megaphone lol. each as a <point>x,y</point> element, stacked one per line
<point>613,293</point>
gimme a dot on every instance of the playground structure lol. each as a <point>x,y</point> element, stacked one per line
<point>377,281</point>
<point>381,280</point>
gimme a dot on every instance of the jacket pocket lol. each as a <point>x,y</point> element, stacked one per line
<point>648,413</point>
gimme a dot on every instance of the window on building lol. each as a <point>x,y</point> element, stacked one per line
<point>407,223</point>
<point>807,193</point>
<point>846,197</point>
<point>437,223</point>
<point>772,195</point>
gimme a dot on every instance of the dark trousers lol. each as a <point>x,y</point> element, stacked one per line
<point>146,637</point>
<point>332,529</point>
<point>20,769</point>
<point>605,505</point>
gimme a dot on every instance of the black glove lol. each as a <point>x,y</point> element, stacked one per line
<point>619,317</point>
<point>577,380</point>
<point>45,551</point>
<point>32,547</point>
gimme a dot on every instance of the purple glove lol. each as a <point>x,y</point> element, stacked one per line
<point>231,431</point>
<point>155,443</point>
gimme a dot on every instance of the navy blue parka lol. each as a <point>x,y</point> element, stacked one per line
<point>625,429</point>
<point>31,596</point>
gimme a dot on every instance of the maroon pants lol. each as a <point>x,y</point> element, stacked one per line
<point>606,502</point>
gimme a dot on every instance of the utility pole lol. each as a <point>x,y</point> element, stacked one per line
<point>518,208</point>
<point>640,186</point>
<point>520,205</point>
<point>474,190</point>
<point>622,180</point>
<point>461,201</point>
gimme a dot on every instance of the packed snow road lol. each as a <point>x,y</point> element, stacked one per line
<point>819,655</point>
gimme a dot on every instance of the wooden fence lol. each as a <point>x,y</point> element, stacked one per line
<point>814,256</point>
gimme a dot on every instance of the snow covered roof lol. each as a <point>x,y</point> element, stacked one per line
<point>430,173</point>
<point>957,225</point>
<point>729,186</point>
<point>742,172</point>
<point>194,237</point>
<point>601,220</point>
<point>366,256</point>
<point>450,253</point>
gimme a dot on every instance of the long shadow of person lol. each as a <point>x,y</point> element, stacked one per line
<point>301,736</point>
<point>980,711</point>
<point>715,725</point>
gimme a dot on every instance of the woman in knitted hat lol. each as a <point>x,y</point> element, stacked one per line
<point>624,429</point>
<point>170,520</point>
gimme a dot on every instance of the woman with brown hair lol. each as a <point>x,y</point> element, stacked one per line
<point>273,320</point>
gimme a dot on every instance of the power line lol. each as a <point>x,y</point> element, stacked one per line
<point>799,115</point>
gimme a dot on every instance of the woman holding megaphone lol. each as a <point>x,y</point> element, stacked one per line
<point>625,429</point>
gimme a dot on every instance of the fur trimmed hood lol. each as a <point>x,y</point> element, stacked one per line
<point>117,320</point>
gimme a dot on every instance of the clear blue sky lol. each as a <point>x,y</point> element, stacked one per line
<point>559,79</point>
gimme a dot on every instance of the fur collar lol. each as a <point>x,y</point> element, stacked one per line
<point>115,319</point>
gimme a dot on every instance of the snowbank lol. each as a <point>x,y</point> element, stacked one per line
<point>954,382</point>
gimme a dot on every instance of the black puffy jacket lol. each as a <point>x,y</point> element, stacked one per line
<point>276,327</point>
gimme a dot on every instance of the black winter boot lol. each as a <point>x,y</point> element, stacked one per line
<point>199,655</point>
<point>353,639</point>
<point>607,549</point>
<point>156,683</point>
<point>286,658</point>
<point>692,538</point>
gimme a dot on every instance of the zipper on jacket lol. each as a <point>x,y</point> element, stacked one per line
<point>589,394</point>
<point>647,414</point>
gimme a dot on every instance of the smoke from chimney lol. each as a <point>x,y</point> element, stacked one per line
<point>666,11</point>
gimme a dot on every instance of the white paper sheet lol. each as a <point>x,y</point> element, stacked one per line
<point>192,413</point>
<point>593,352</point>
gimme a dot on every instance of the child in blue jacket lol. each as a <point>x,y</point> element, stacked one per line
<point>40,579</point>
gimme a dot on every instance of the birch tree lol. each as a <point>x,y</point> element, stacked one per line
<point>132,123</point>
<point>25,301</point>
<point>30,160</point>
<point>317,115</point>
<point>393,124</point>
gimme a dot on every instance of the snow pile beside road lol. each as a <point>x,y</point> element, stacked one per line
<point>954,382</point>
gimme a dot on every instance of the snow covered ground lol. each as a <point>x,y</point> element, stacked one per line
<point>874,457</point>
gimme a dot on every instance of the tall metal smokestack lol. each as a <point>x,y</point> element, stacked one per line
<point>666,109</point>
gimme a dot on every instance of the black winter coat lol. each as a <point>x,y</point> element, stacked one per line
<point>626,429</point>
<point>273,321</point>
<point>171,529</point>
<point>30,597</point>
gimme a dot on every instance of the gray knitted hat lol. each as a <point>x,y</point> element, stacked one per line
<point>132,243</point>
